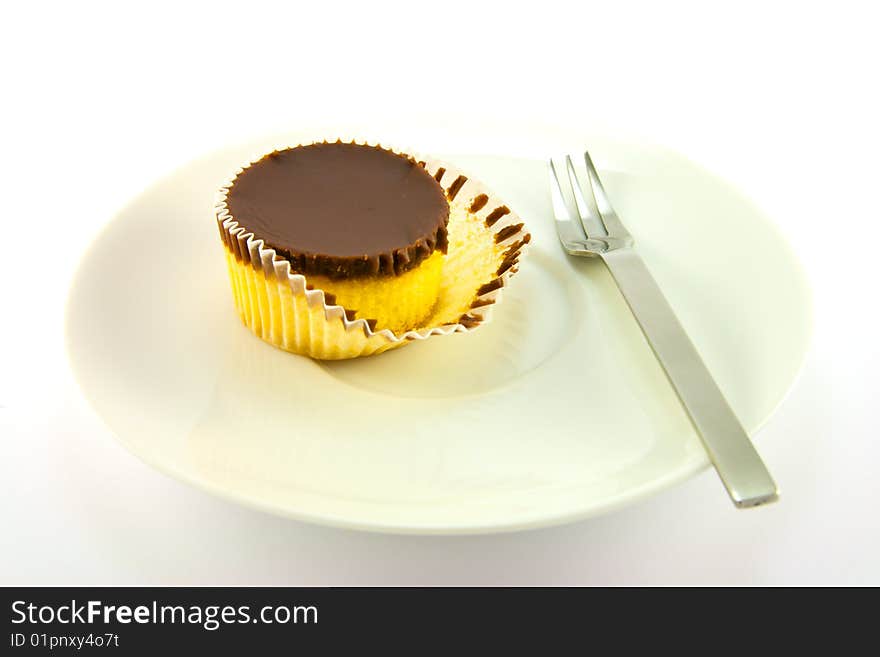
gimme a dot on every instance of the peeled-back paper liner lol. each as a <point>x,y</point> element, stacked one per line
<point>278,305</point>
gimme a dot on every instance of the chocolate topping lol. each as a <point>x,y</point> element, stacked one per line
<point>341,210</point>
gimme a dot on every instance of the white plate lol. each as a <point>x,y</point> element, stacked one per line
<point>555,411</point>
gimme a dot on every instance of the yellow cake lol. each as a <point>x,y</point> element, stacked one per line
<point>337,250</point>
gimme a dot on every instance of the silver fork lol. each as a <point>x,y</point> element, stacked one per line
<point>741,469</point>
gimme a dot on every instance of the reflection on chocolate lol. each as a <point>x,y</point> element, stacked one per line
<point>342,210</point>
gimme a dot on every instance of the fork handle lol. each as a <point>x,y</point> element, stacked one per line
<point>744,474</point>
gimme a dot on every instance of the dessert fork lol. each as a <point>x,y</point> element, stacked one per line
<point>592,228</point>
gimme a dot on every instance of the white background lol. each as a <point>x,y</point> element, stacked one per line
<point>99,100</point>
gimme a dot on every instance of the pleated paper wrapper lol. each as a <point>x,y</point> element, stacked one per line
<point>486,241</point>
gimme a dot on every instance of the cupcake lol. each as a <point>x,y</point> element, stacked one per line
<point>336,250</point>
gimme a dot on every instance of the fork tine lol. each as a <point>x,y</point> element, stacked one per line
<point>560,207</point>
<point>609,216</point>
<point>567,229</point>
<point>589,214</point>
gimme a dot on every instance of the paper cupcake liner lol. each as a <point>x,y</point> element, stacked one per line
<point>486,241</point>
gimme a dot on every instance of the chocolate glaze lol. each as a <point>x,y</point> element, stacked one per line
<point>506,232</point>
<point>456,186</point>
<point>496,214</point>
<point>342,210</point>
<point>478,202</point>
